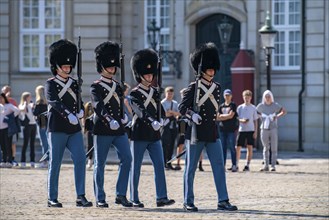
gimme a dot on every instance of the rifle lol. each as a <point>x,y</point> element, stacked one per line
<point>196,108</point>
<point>122,76</point>
<point>159,79</point>
<point>79,73</point>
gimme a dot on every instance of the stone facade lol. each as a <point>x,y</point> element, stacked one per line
<point>100,20</point>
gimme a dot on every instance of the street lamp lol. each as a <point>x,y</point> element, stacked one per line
<point>267,34</point>
<point>153,34</point>
<point>225,30</point>
<point>171,57</point>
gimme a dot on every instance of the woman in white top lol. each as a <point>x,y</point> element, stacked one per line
<point>6,109</point>
<point>30,127</point>
<point>270,111</point>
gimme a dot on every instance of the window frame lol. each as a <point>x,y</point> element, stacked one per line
<point>41,32</point>
<point>286,29</point>
<point>164,31</point>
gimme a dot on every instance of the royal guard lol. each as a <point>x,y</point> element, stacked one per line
<point>64,128</point>
<point>109,125</point>
<point>145,131</point>
<point>200,105</point>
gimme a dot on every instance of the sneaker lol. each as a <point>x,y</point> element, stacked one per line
<point>43,165</point>
<point>89,164</point>
<point>32,165</point>
<point>264,169</point>
<point>8,165</point>
<point>14,163</point>
<point>246,168</point>
<point>234,168</point>
<point>23,164</point>
<point>2,164</point>
<point>225,205</point>
<point>273,169</point>
<point>230,168</point>
<point>178,167</point>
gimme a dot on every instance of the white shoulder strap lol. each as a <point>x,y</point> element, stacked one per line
<point>111,92</point>
<point>208,94</point>
<point>66,88</point>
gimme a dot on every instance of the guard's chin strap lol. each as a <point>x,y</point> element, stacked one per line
<point>112,74</point>
<point>211,77</point>
<point>145,82</point>
<point>58,67</point>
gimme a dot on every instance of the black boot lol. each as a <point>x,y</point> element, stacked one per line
<point>225,205</point>
<point>102,204</point>
<point>190,208</point>
<point>54,203</point>
<point>165,202</point>
<point>200,166</point>
<point>83,202</point>
<point>123,201</point>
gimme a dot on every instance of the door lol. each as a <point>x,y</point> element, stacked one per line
<point>207,30</point>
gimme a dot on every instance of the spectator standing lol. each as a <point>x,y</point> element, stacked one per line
<point>14,138</point>
<point>269,112</point>
<point>30,127</point>
<point>88,130</point>
<point>40,112</point>
<point>247,128</point>
<point>6,109</point>
<point>228,126</point>
<point>169,134</point>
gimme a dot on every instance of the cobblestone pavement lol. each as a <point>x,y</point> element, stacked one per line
<point>299,189</point>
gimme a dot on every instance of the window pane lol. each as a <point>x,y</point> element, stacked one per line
<point>38,16</point>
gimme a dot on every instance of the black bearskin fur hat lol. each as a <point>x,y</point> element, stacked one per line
<point>107,55</point>
<point>210,57</point>
<point>62,52</point>
<point>144,62</point>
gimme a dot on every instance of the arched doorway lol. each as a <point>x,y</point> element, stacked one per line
<point>207,30</point>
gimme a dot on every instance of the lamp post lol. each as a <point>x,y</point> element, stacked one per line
<point>171,57</point>
<point>267,34</point>
<point>225,30</point>
<point>153,34</point>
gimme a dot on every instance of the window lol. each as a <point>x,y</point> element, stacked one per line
<point>159,10</point>
<point>287,18</point>
<point>41,23</point>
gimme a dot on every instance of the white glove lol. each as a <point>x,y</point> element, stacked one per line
<point>125,120</point>
<point>73,119</point>
<point>114,125</point>
<point>156,125</point>
<point>80,114</point>
<point>196,118</point>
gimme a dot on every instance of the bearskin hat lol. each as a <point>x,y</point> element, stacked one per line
<point>62,52</point>
<point>107,55</point>
<point>210,57</point>
<point>144,62</point>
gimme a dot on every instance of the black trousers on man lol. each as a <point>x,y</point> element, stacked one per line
<point>168,138</point>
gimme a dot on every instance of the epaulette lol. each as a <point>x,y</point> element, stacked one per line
<point>97,81</point>
<point>51,79</point>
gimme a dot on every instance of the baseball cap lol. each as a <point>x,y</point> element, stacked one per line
<point>227,92</point>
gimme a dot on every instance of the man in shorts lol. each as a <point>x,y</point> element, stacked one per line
<point>247,128</point>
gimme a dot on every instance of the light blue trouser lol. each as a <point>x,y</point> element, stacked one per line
<point>156,153</point>
<point>58,141</point>
<point>102,145</point>
<point>215,155</point>
<point>269,140</point>
<point>43,139</point>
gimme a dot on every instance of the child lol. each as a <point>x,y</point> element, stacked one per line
<point>247,128</point>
